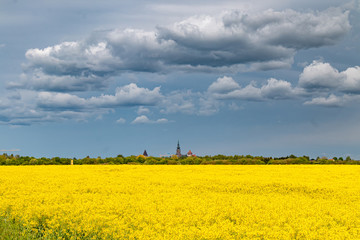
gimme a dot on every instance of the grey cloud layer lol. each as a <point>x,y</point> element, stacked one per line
<point>32,107</point>
<point>24,110</point>
<point>230,40</point>
<point>319,84</point>
<point>129,95</point>
<point>320,81</point>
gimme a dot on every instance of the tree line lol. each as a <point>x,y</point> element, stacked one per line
<point>6,159</point>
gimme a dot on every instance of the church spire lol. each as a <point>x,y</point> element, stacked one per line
<point>178,150</point>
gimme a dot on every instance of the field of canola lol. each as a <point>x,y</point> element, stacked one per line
<point>183,202</point>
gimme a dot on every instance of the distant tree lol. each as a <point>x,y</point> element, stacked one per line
<point>130,159</point>
<point>348,158</point>
<point>162,161</point>
<point>150,161</point>
<point>266,160</point>
<point>3,159</point>
<point>172,162</point>
<point>219,157</point>
<point>33,161</point>
<point>141,158</point>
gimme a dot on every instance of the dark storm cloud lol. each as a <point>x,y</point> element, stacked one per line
<point>232,39</point>
<point>292,29</point>
<point>236,38</point>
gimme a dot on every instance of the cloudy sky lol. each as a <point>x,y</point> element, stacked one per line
<point>103,78</point>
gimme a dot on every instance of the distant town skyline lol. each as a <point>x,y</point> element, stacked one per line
<point>177,153</point>
<point>102,78</point>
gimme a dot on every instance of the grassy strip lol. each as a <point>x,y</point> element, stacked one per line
<point>12,230</point>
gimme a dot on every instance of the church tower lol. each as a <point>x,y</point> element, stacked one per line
<point>178,150</point>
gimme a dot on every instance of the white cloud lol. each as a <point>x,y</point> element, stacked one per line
<point>250,93</point>
<point>330,101</point>
<point>128,95</point>
<point>162,120</point>
<point>56,101</point>
<point>351,77</point>
<point>320,76</point>
<point>145,120</point>
<point>121,121</point>
<point>278,89</point>
<point>74,58</point>
<point>142,110</point>
<point>141,119</point>
<point>223,85</point>
<point>273,89</point>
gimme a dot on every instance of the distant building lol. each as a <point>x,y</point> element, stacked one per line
<point>178,150</point>
<point>190,154</point>
<point>145,153</point>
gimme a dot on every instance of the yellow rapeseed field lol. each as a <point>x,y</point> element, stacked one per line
<point>183,202</point>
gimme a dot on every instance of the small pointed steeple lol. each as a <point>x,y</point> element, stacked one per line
<point>145,153</point>
<point>178,150</point>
